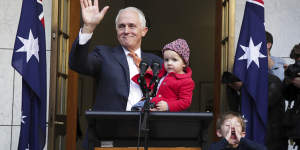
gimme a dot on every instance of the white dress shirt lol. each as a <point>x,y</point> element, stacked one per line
<point>135,92</point>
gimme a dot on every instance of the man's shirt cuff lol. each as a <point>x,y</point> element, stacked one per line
<point>84,37</point>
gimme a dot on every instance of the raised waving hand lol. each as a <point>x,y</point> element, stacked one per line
<point>90,15</point>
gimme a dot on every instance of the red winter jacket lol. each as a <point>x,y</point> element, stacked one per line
<point>175,89</point>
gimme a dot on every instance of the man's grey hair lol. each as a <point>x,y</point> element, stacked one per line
<point>140,13</point>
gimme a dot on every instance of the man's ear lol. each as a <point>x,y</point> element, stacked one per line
<point>218,132</point>
<point>144,31</point>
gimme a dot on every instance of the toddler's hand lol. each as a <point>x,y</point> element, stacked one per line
<point>235,133</point>
<point>162,106</point>
<point>239,133</point>
<point>228,134</point>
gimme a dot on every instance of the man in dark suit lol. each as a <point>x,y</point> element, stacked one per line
<point>112,67</point>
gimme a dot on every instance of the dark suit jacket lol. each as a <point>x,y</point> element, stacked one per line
<point>110,69</point>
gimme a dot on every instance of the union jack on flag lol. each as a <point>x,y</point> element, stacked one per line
<point>29,59</point>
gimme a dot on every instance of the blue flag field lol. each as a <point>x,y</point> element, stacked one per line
<point>29,59</point>
<point>251,67</point>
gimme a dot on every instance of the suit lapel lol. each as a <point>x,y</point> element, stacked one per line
<point>119,55</point>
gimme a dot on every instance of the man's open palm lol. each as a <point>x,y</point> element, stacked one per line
<point>90,13</point>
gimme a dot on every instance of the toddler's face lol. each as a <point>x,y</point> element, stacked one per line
<point>231,129</point>
<point>173,62</point>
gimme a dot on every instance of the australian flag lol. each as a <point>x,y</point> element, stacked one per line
<point>251,67</point>
<point>29,59</point>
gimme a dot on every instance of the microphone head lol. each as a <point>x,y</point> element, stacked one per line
<point>144,66</point>
<point>155,67</point>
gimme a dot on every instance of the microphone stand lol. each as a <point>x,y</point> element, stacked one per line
<point>145,123</point>
<point>147,105</point>
<point>146,109</point>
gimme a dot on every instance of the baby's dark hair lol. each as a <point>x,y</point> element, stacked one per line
<point>229,115</point>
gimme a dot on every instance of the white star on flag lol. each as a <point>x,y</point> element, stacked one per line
<point>23,117</point>
<point>31,46</point>
<point>22,120</point>
<point>252,53</point>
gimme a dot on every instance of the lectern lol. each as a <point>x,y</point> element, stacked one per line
<point>166,129</point>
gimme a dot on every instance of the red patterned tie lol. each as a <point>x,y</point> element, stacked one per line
<point>136,59</point>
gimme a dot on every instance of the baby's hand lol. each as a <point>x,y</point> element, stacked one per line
<point>228,134</point>
<point>232,137</point>
<point>162,106</point>
<point>239,134</point>
<point>234,133</point>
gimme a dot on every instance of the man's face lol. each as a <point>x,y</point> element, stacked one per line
<point>130,30</point>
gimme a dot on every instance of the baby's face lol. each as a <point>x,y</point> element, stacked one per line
<point>173,62</point>
<point>236,128</point>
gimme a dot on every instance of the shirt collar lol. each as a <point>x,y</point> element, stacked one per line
<point>137,51</point>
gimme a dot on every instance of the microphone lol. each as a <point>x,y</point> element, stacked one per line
<point>144,66</point>
<point>155,68</point>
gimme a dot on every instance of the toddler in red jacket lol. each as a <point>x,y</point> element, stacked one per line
<point>175,88</point>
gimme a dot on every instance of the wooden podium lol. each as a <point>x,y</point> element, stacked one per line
<point>167,130</point>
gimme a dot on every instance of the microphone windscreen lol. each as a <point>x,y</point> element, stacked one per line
<point>144,66</point>
<point>155,67</point>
